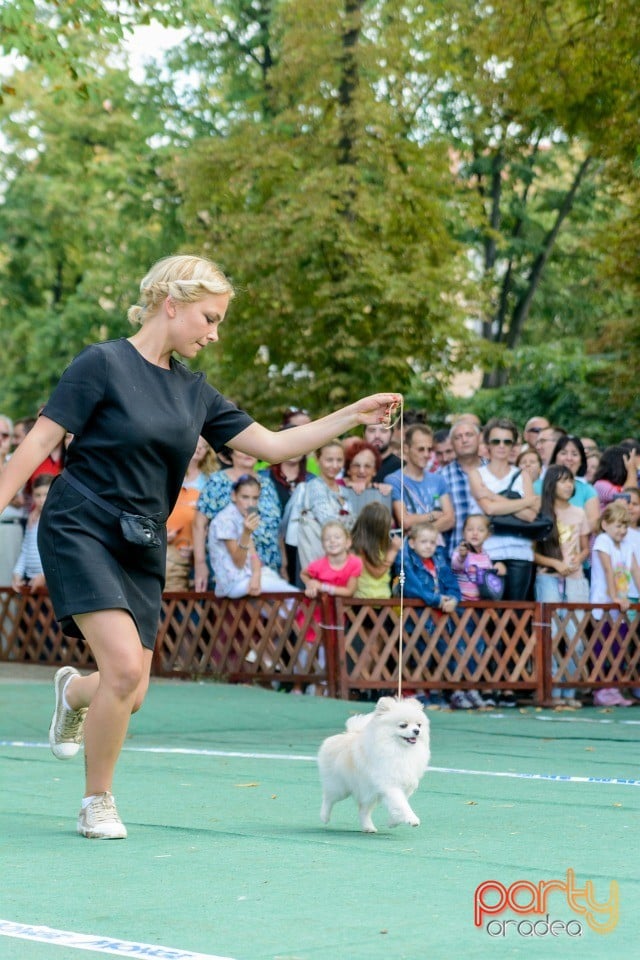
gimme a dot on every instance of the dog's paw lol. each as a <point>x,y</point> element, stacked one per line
<point>368,828</point>
<point>411,820</point>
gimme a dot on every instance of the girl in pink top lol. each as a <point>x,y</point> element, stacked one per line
<point>338,570</point>
<point>335,573</point>
<point>470,556</point>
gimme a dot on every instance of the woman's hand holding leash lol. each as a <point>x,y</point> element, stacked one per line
<point>378,408</point>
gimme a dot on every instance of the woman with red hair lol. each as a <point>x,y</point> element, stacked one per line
<point>361,463</point>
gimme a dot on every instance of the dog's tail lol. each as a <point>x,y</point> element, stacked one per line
<point>358,722</point>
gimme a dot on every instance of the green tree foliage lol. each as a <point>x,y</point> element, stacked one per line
<point>568,386</point>
<point>530,98</point>
<point>376,175</point>
<point>60,36</point>
<point>86,207</point>
<point>327,208</point>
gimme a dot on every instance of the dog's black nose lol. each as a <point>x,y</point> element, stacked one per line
<point>416,731</point>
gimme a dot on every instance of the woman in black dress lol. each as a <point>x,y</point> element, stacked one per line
<point>136,414</point>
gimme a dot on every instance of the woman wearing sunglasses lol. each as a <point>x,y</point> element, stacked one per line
<point>487,484</point>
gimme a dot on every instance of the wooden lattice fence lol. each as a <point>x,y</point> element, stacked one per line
<point>350,646</point>
<point>478,647</point>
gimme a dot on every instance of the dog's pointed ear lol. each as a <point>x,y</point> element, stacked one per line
<point>385,704</point>
<point>416,703</point>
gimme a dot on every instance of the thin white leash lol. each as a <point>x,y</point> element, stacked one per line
<point>401,574</point>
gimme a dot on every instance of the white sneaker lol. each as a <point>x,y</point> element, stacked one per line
<point>460,701</point>
<point>476,700</point>
<point>99,820</point>
<point>66,731</point>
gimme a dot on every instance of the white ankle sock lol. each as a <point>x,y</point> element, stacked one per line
<point>65,702</point>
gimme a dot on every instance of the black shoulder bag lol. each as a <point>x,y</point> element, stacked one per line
<point>508,525</point>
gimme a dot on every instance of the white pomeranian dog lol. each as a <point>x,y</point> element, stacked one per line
<point>381,758</point>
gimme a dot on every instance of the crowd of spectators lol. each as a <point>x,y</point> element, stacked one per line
<point>241,527</point>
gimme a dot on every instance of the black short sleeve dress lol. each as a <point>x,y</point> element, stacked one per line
<point>135,428</point>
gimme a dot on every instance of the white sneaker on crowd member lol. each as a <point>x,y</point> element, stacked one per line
<point>66,731</point>
<point>506,698</point>
<point>477,700</point>
<point>459,700</point>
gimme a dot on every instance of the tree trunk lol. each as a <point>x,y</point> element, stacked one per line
<point>523,306</point>
<point>347,144</point>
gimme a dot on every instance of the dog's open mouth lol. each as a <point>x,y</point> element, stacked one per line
<point>410,739</point>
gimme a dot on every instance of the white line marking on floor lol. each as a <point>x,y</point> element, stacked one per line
<point>558,719</point>
<point>629,723</point>
<point>307,758</point>
<point>98,944</point>
<point>560,777</point>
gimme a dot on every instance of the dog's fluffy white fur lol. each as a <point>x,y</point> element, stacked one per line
<point>381,758</point>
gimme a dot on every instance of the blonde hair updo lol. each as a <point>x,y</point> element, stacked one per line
<point>185,278</point>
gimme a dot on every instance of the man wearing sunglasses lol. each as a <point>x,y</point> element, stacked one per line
<point>418,495</point>
<point>532,429</point>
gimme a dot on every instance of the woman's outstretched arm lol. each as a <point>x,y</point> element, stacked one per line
<point>275,447</point>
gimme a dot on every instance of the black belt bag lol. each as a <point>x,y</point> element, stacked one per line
<point>142,531</point>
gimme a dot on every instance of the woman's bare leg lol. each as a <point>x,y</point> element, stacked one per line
<point>80,690</point>
<point>112,693</point>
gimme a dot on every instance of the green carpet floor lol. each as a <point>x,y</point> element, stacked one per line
<point>226,855</point>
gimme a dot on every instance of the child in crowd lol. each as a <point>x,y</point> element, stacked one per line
<point>377,546</point>
<point>560,558</point>
<point>429,578</point>
<point>28,568</point>
<point>468,561</point>
<point>338,570</point>
<point>335,573</point>
<point>236,564</point>
<point>633,535</point>
<point>531,461</point>
<point>613,567</point>
<point>632,498</point>
<point>470,556</point>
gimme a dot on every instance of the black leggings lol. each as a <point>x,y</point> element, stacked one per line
<point>518,583</point>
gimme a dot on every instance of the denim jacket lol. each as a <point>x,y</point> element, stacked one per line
<point>419,583</point>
